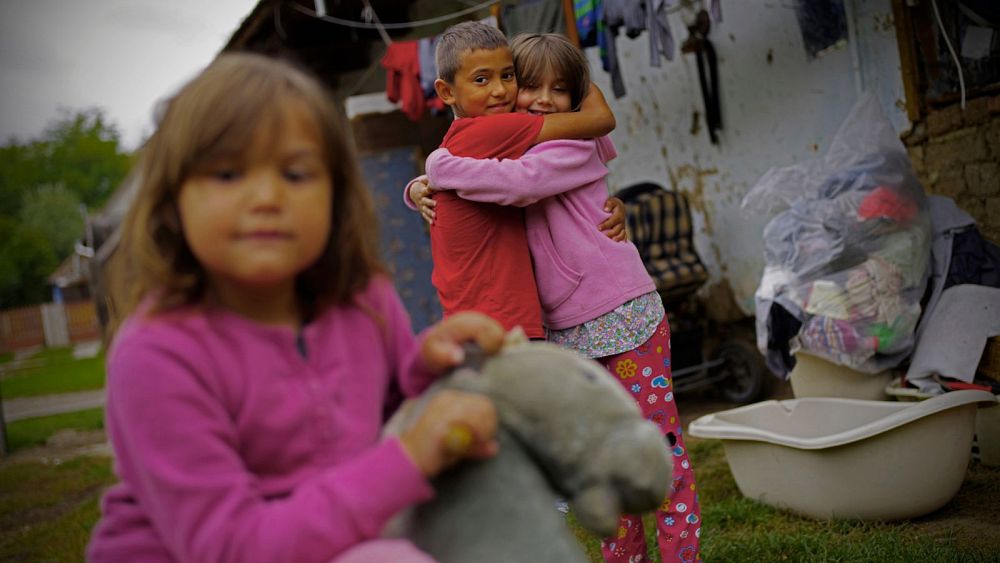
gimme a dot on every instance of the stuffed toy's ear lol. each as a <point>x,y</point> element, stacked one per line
<point>597,509</point>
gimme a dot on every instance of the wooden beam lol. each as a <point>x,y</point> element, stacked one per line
<point>570,15</point>
<point>907,59</point>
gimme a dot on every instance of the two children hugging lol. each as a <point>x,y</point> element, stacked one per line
<point>593,292</point>
<point>256,339</point>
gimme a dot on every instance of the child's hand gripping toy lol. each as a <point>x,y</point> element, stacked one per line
<point>566,429</point>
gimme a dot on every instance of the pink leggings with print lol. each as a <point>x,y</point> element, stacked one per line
<point>645,373</point>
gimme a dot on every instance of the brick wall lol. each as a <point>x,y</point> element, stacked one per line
<point>957,154</point>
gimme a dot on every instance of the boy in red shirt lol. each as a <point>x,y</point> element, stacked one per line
<point>480,250</point>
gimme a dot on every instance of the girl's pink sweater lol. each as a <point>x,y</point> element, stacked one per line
<point>231,445</point>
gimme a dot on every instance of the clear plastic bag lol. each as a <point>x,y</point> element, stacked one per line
<point>846,254</point>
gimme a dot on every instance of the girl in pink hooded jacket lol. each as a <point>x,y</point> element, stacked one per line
<point>259,340</point>
<point>596,295</point>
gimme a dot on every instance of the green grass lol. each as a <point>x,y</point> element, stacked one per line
<point>47,511</point>
<point>6,357</point>
<point>54,371</point>
<point>35,431</point>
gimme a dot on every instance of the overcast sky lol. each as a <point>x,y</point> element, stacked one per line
<point>120,55</point>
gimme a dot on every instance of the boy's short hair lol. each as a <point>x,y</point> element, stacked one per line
<point>462,37</point>
<point>537,55</point>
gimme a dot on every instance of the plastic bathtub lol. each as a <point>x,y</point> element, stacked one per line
<point>847,458</point>
<point>816,377</point>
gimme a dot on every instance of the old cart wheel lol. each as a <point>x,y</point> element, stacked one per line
<point>743,375</point>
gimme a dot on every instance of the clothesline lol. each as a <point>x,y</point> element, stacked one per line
<point>394,25</point>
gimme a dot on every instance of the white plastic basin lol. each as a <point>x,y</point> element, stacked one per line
<point>848,458</point>
<point>816,377</point>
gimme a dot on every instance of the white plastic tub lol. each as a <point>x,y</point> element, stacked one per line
<point>816,377</point>
<point>987,439</point>
<point>848,458</point>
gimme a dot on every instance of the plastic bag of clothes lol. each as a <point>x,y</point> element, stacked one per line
<point>846,255</point>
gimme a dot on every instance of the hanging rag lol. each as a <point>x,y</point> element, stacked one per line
<point>532,16</point>
<point>593,30</point>
<point>428,66</point>
<point>588,21</point>
<point>708,71</point>
<point>402,82</point>
<point>630,14</point>
<point>716,10</point>
<point>661,40</point>
<point>612,16</point>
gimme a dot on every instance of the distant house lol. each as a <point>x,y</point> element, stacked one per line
<point>71,280</point>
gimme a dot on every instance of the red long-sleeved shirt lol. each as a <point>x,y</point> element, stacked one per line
<point>480,250</point>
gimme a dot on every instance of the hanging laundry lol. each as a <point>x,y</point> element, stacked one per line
<point>402,84</point>
<point>630,14</point>
<point>594,31</point>
<point>599,22</point>
<point>708,71</point>
<point>428,65</point>
<point>716,11</point>
<point>661,40</point>
<point>612,15</point>
<point>588,22</point>
<point>532,16</point>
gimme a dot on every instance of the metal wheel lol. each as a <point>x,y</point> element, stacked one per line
<point>743,375</point>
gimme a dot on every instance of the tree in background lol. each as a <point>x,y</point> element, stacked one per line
<point>54,212</point>
<point>83,152</point>
<point>26,260</point>
<point>43,182</point>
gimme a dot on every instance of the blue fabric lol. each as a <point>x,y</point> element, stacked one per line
<point>405,242</point>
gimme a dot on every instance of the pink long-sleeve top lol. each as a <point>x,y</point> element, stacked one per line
<point>231,445</point>
<point>580,272</point>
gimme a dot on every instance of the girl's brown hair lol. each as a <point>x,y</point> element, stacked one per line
<point>219,114</point>
<point>540,55</point>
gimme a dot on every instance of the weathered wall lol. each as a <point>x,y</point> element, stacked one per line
<point>957,154</point>
<point>778,108</point>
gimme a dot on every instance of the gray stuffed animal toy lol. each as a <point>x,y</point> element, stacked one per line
<point>567,429</point>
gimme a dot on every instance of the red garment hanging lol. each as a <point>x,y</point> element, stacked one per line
<point>402,82</point>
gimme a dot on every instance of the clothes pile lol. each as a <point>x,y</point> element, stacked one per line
<point>847,260</point>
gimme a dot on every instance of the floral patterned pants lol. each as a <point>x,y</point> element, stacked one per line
<point>645,373</point>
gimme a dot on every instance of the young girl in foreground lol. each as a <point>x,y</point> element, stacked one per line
<point>596,295</point>
<point>246,387</point>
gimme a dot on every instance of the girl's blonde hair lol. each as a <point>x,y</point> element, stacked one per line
<point>538,56</point>
<point>221,114</point>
